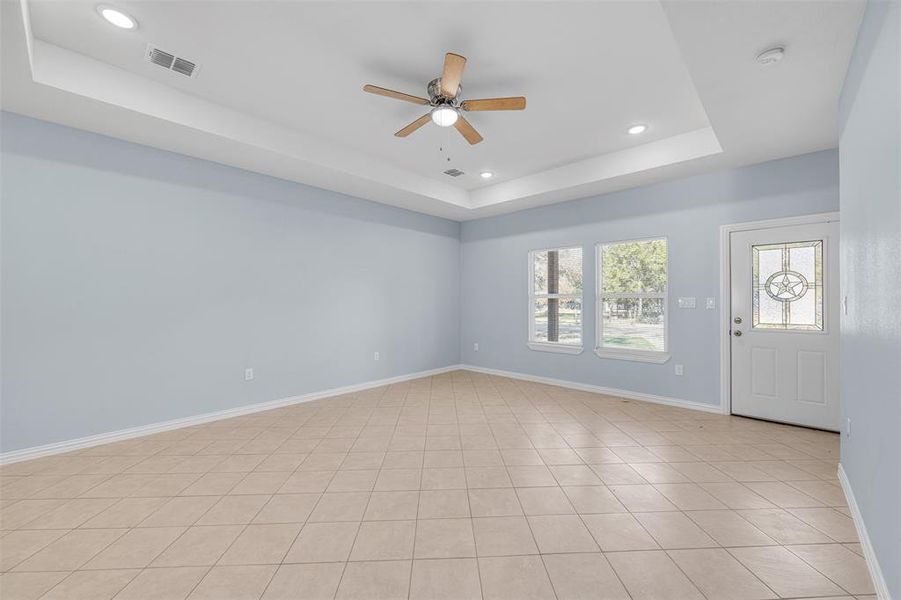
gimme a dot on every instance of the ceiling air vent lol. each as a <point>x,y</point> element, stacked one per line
<point>169,61</point>
<point>185,67</point>
<point>158,57</point>
<point>453,172</point>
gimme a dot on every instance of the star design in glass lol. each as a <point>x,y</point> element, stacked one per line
<point>786,286</point>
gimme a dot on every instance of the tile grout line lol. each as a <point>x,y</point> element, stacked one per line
<point>471,517</point>
<point>359,525</point>
<point>529,524</point>
<point>531,399</point>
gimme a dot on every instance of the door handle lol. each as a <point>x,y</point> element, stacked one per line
<point>736,333</point>
<point>737,320</point>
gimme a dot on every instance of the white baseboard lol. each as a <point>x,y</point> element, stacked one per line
<point>868,553</point>
<point>133,432</point>
<point>599,389</point>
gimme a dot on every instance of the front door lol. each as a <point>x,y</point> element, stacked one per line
<point>785,324</point>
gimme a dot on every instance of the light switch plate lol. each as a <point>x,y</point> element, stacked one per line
<point>689,302</point>
<point>711,302</point>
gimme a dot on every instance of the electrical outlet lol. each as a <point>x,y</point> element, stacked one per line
<point>680,370</point>
<point>848,428</point>
<point>475,347</point>
<point>375,356</point>
<point>248,374</point>
<point>845,305</point>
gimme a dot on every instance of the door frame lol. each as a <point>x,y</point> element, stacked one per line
<point>726,288</point>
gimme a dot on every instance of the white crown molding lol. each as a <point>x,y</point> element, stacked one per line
<point>585,174</point>
<point>746,121</point>
<point>310,159</point>
<point>585,387</point>
<point>52,83</point>
<point>133,432</point>
<point>866,545</point>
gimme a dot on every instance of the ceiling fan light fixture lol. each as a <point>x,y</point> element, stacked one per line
<point>444,116</point>
<point>117,17</point>
<point>636,129</point>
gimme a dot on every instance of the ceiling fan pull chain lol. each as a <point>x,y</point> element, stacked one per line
<point>447,141</point>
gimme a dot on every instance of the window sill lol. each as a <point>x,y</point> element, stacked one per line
<point>647,356</point>
<point>558,348</point>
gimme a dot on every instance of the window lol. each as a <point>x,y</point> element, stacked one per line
<point>788,286</point>
<point>631,301</point>
<point>555,300</point>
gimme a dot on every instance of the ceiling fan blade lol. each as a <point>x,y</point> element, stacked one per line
<point>468,131</point>
<point>514,103</point>
<point>452,74</point>
<point>380,91</point>
<point>414,125</point>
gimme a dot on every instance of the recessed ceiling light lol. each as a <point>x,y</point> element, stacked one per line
<point>771,56</point>
<point>486,174</point>
<point>636,129</point>
<point>444,116</point>
<point>117,17</point>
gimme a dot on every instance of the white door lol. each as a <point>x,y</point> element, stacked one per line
<point>785,324</point>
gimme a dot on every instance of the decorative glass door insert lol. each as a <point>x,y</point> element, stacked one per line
<point>787,286</point>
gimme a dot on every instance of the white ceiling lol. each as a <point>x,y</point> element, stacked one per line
<point>279,89</point>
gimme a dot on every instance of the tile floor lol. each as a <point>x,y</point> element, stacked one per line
<point>458,486</point>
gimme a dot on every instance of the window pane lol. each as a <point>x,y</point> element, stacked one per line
<point>557,271</point>
<point>787,286</point>
<point>558,320</point>
<point>633,323</point>
<point>634,267</point>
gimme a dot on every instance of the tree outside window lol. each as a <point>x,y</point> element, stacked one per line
<point>632,287</point>
<point>556,296</point>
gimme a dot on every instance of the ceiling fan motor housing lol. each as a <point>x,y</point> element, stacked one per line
<point>437,98</point>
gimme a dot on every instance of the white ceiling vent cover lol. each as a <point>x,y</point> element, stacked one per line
<point>170,62</point>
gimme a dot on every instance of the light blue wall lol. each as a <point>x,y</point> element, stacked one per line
<point>688,212</point>
<point>870,166</point>
<point>138,284</point>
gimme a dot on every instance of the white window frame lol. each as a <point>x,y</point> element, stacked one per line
<point>558,347</point>
<point>648,356</point>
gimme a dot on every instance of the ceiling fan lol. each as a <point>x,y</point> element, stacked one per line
<point>444,98</point>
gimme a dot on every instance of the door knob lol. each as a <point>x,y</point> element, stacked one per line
<point>737,320</point>
<point>737,333</point>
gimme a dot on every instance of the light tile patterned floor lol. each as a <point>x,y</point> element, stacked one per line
<point>457,486</point>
